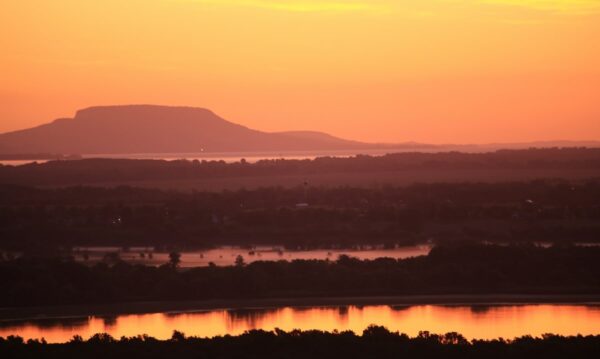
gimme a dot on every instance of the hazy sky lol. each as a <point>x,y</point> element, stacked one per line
<point>435,71</point>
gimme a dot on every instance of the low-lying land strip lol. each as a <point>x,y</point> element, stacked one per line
<point>446,270</point>
<point>373,342</point>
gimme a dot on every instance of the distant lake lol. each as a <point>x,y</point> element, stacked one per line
<point>20,162</point>
<point>480,322</point>
<point>225,256</point>
<point>257,156</point>
<point>248,156</point>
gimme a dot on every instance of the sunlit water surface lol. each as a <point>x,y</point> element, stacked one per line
<point>224,256</point>
<point>230,157</point>
<point>481,322</point>
<point>251,157</point>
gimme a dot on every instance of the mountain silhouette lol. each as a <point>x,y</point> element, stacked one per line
<point>159,129</point>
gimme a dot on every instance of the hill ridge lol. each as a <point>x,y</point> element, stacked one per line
<point>144,128</point>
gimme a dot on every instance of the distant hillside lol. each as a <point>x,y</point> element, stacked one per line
<point>159,129</point>
<point>146,129</point>
<point>315,136</point>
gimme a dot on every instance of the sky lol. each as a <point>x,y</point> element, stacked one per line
<point>434,71</point>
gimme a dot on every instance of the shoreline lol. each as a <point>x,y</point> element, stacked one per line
<point>16,314</point>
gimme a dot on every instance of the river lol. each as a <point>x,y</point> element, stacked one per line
<point>473,321</point>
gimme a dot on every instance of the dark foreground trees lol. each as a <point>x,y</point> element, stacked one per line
<point>375,342</point>
<point>459,269</point>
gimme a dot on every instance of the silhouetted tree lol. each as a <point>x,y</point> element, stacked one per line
<point>174,259</point>
<point>239,261</point>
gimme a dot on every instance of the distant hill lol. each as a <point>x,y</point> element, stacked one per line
<point>151,129</point>
<point>159,129</point>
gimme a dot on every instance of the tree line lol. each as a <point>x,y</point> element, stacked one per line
<point>456,269</point>
<point>121,170</point>
<point>537,211</point>
<point>374,342</point>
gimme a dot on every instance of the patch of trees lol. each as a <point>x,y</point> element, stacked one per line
<point>375,342</point>
<point>121,170</point>
<point>543,211</point>
<point>459,269</point>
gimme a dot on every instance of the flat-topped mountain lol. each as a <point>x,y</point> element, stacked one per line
<point>159,129</point>
<point>143,129</point>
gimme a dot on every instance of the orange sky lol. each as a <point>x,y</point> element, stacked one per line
<point>437,71</point>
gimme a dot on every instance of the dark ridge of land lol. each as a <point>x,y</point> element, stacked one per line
<point>537,163</point>
<point>17,314</point>
<point>159,129</point>
<point>375,342</point>
<point>369,180</point>
<point>460,269</point>
<point>49,220</point>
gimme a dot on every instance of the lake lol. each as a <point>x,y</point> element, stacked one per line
<point>224,156</point>
<point>255,156</point>
<point>473,321</point>
<point>226,255</point>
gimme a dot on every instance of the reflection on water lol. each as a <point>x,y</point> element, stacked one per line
<point>19,162</point>
<point>483,322</point>
<point>251,157</point>
<point>231,157</point>
<point>226,255</point>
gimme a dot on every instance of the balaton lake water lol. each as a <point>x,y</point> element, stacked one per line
<point>237,156</point>
<point>474,322</point>
<point>225,256</point>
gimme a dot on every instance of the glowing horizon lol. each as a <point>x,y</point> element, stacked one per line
<point>434,71</point>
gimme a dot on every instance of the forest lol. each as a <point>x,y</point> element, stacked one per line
<point>374,342</point>
<point>98,170</point>
<point>455,269</point>
<point>548,211</point>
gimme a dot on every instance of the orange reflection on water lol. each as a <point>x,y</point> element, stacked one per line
<point>472,321</point>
